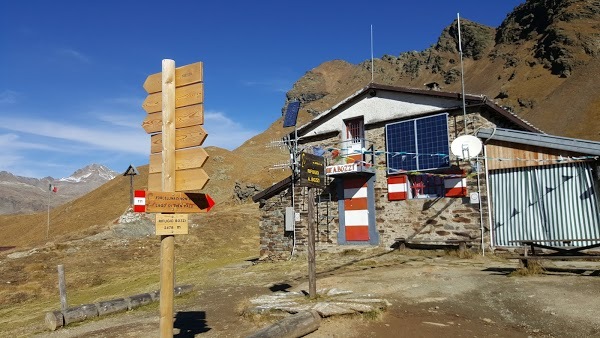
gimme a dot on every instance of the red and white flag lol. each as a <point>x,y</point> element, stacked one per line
<point>53,188</point>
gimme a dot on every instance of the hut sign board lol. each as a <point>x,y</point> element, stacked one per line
<point>171,224</point>
<point>312,171</point>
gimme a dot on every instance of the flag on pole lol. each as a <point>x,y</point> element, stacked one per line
<point>53,188</point>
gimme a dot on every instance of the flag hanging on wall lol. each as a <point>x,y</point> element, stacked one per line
<point>53,188</point>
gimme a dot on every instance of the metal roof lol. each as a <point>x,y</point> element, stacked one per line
<point>541,140</point>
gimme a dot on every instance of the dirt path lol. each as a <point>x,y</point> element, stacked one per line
<point>430,296</point>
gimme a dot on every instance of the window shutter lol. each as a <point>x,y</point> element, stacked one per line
<point>456,187</point>
<point>397,188</point>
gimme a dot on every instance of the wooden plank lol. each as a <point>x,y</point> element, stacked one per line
<point>176,202</point>
<point>185,180</point>
<point>184,138</point>
<point>184,117</point>
<point>188,158</point>
<point>184,75</point>
<point>171,224</point>
<point>184,96</point>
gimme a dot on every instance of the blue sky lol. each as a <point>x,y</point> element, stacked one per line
<point>71,72</point>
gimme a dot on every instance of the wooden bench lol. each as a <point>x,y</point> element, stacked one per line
<point>401,243</point>
<point>534,250</point>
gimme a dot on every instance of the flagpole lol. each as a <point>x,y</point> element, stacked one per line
<point>462,73</point>
<point>48,225</point>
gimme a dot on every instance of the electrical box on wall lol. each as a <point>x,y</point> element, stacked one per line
<point>290,218</point>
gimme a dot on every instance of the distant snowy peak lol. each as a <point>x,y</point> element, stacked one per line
<point>90,173</point>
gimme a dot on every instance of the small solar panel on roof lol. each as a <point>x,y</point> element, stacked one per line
<point>291,114</point>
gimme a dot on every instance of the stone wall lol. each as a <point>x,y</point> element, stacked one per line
<point>432,218</point>
<point>275,242</point>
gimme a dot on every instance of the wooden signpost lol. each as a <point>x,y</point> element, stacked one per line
<point>172,202</point>
<point>312,175</point>
<point>171,224</point>
<point>175,117</point>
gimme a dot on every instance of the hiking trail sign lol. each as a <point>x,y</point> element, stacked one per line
<point>175,117</point>
<point>172,202</point>
<point>189,133</point>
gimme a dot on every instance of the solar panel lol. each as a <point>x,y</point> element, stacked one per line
<point>418,144</point>
<point>291,114</point>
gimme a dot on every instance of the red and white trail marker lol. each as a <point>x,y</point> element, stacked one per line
<point>139,201</point>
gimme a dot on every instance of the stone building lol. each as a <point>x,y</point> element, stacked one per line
<point>394,170</point>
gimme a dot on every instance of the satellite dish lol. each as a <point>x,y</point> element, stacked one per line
<point>466,146</point>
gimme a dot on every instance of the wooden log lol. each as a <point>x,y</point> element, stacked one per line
<point>155,295</point>
<point>54,320</point>
<point>138,300</point>
<point>294,326</point>
<point>182,289</point>
<point>80,313</point>
<point>112,306</point>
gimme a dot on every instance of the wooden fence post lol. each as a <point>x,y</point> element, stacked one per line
<point>62,287</point>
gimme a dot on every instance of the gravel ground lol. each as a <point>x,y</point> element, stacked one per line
<point>432,295</point>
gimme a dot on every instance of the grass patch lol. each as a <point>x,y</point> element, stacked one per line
<point>372,315</point>
<point>534,267</point>
<point>465,254</point>
<point>351,252</point>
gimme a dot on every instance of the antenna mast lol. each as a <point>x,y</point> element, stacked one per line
<point>462,74</point>
<point>372,62</point>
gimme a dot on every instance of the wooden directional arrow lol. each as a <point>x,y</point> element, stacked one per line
<point>188,158</point>
<point>185,180</point>
<point>179,202</point>
<point>184,75</point>
<point>184,96</point>
<point>184,138</point>
<point>184,117</point>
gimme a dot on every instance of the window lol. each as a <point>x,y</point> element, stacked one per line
<point>418,144</point>
<point>426,186</point>
<point>354,130</point>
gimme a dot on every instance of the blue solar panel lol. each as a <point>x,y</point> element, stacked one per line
<point>418,144</point>
<point>291,114</point>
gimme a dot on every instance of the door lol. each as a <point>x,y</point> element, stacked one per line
<point>357,210</point>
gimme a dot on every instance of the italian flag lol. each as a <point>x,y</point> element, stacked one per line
<point>52,188</point>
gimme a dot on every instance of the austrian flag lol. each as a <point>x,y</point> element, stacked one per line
<point>53,188</point>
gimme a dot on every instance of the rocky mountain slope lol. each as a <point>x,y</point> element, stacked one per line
<point>25,195</point>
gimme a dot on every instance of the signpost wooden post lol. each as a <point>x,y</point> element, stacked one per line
<point>167,278</point>
<point>175,117</point>
<point>312,175</point>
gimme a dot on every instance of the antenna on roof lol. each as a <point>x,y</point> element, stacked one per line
<point>372,62</point>
<point>462,73</point>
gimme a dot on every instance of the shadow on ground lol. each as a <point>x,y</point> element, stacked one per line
<point>190,323</point>
<point>591,272</point>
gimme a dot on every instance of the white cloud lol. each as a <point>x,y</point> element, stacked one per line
<point>71,53</point>
<point>99,137</point>
<point>8,96</point>
<point>11,142</point>
<point>122,120</point>
<point>224,132</point>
